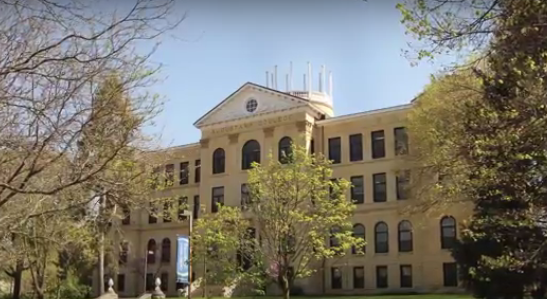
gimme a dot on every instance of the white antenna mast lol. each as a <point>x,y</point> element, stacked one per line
<point>322,79</point>
<point>330,84</point>
<point>272,77</point>
<point>304,85</point>
<point>275,76</point>
<point>290,77</point>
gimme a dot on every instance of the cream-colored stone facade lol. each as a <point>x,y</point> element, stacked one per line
<point>277,114</point>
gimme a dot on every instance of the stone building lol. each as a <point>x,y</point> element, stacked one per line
<point>405,253</point>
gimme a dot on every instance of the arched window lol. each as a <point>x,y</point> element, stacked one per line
<point>285,151</point>
<point>250,153</point>
<point>381,238</point>
<point>405,236</point>
<point>448,232</point>
<point>166,250</point>
<point>358,232</point>
<point>218,161</point>
<point>151,252</point>
<point>334,242</point>
<point>124,252</point>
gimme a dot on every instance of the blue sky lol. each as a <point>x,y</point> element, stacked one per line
<point>226,43</point>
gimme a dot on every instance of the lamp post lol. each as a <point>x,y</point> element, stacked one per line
<point>148,252</point>
<point>191,221</point>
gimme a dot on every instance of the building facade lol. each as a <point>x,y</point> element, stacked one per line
<point>405,252</point>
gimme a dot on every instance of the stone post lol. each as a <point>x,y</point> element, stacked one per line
<point>110,289</point>
<point>157,293</point>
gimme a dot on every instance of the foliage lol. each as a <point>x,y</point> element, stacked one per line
<point>440,177</point>
<point>216,240</point>
<point>73,102</point>
<point>496,155</point>
<point>297,208</point>
<point>444,27</point>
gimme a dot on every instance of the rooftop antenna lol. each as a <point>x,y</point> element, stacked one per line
<point>290,77</point>
<point>304,85</point>
<point>309,80</point>
<point>267,79</point>
<point>330,84</point>
<point>322,79</point>
<point>275,76</point>
<point>272,77</point>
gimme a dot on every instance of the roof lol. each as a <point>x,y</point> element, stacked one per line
<point>352,116</point>
<point>241,88</point>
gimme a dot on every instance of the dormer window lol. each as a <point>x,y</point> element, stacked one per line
<point>251,105</point>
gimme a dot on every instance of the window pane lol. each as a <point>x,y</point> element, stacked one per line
<point>183,176</point>
<point>358,277</point>
<point>121,283</point>
<point>197,168</point>
<point>164,281</point>
<point>357,190</point>
<point>196,207</point>
<point>336,278</point>
<point>406,276</point>
<point>169,174</point>
<point>335,150</point>
<point>356,147</point>
<point>218,161</point>
<point>378,144</point>
<point>403,181</point>
<point>450,275</point>
<point>379,187</point>
<point>401,141</point>
<point>217,198</point>
<point>381,277</point>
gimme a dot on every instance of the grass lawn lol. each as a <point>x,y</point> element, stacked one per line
<point>416,296</point>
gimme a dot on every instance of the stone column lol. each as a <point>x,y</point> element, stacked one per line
<point>158,293</point>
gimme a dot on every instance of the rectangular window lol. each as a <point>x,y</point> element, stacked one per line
<point>401,141</point>
<point>169,174</point>
<point>403,182</point>
<point>381,277</point>
<point>126,220</point>
<point>245,196</point>
<point>335,152</point>
<point>357,189</point>
<point>197,171</point>
<point>406,276</point>
<point>152,218</point>
<point>121,283</point>
<point>217,198</point>
<point>379,187</point>
<point>335,278</point>
<point>183,176</point>
<point>164,281</point>
<point>356,147</point>
<point>450,274</point>
<point>195,210</point>
<point>358,277</point>
<point>167,211</point>
<point>312,147</point>
<point>378,144</point>
<point>183,205</point>
<point>149,281</point>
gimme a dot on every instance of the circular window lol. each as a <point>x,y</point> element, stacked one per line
<point>251,105</point>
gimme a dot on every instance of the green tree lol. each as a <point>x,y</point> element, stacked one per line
<point>497,149</point>
<point>217,240</point>
<point>297,209</point>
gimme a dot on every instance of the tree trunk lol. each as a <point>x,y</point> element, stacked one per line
<point>101,264</point>
<point>283,283</point>
<point>17,280</point>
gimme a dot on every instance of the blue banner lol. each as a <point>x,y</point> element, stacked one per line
<point>183,246</point>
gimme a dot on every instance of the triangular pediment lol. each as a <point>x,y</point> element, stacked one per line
<point>234,107</point>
